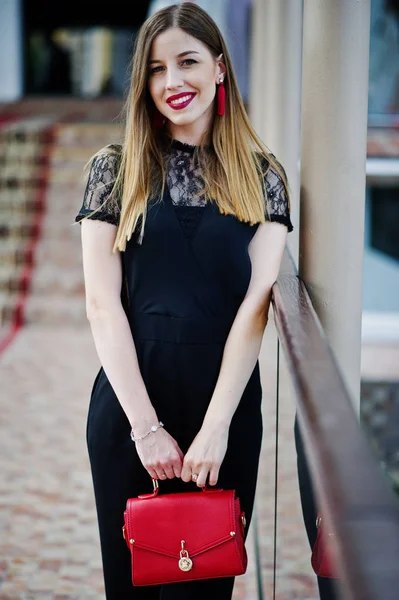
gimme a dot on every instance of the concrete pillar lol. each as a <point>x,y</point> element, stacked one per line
<point>256,79</point>
<point>275,101</point>
<point>333,172</point>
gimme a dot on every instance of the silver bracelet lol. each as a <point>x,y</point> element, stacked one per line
<point>153,429</point>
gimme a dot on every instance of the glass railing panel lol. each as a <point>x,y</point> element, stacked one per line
<point>283,548</point>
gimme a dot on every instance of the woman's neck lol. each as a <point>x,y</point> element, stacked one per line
<point>193,134</point>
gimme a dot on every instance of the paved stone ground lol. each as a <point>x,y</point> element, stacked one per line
<point>49,545</point>
<point>49,541</point>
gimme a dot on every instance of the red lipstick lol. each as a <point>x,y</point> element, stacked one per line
<point>180,105</point>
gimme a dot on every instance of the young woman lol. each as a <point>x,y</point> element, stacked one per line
<point>183,231</point>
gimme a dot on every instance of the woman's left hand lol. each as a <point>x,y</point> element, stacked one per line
<point>205,456</point>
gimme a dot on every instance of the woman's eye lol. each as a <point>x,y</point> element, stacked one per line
<point>189,60</point>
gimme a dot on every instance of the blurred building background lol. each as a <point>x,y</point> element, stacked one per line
<point>64,70</point>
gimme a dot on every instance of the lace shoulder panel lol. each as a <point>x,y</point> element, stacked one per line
<point>100,182</point>
<point>277,200</point>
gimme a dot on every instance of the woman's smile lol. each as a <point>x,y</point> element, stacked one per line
<point>179,101</point>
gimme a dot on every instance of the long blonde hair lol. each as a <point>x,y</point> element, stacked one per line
<point>233,171</point>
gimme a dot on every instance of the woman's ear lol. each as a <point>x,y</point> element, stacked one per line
<point>221,67</point>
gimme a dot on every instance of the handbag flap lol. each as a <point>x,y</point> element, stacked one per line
<point>203,520</point>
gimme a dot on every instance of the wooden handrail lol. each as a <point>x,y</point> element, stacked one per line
<point>356,500</point>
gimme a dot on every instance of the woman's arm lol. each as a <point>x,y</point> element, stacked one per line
<point>116,350</point>
<point>240,355</point>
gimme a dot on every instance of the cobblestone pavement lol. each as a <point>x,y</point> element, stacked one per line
<point>49,546</point>
<point>49,541</point>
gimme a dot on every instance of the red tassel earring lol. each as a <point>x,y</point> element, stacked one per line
<point>221,93</point>
<point>158,120</point>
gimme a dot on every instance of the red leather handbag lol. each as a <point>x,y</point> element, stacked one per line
<point>185,536</point>
<point>322,553</point>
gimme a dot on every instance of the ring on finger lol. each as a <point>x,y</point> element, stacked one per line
<point>194,476</point>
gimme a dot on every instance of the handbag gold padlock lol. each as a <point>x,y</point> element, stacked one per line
<point>185,562</point>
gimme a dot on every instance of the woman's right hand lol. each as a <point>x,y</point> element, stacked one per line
<point>160,455</point>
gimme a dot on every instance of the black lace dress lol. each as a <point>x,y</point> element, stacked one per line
<point>185,281</point>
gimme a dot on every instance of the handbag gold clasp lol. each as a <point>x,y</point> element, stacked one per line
<point>185,562</point>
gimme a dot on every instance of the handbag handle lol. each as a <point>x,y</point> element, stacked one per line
<point>155,484</point>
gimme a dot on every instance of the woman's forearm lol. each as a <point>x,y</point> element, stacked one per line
<point>239,359</point>
<point>117,353</point>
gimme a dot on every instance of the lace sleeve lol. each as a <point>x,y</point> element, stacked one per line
<point>102,175</point>
<point>277,199</point>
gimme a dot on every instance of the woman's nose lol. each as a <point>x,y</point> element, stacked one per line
<point>173,79</point>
